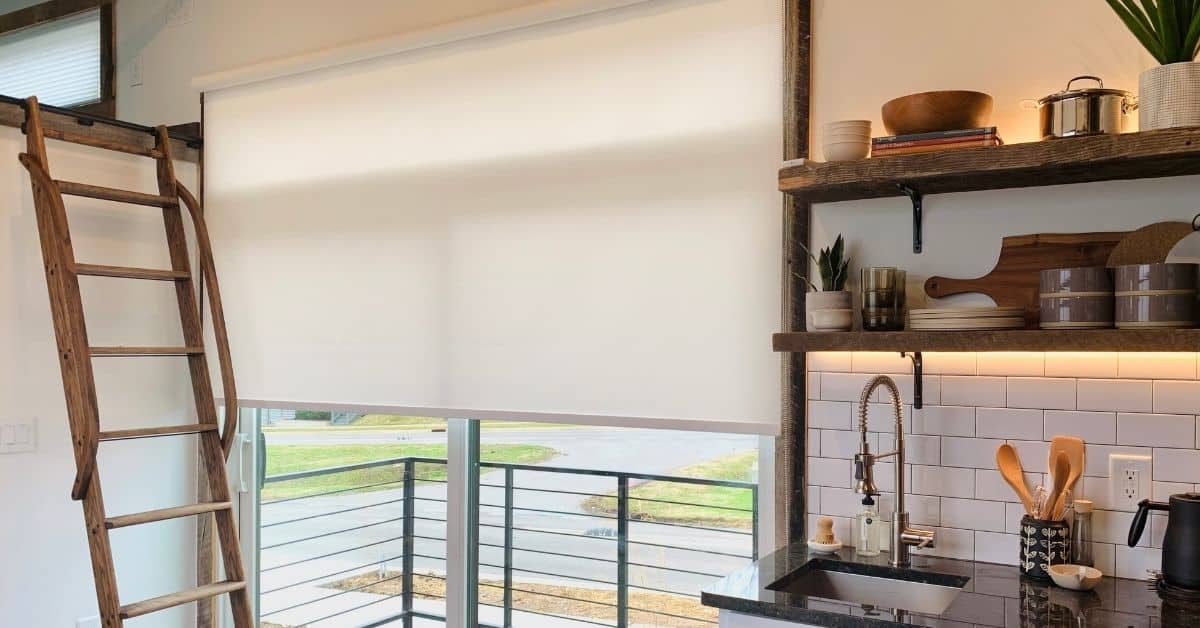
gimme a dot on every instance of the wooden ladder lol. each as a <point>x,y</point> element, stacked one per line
<point>75,358</point>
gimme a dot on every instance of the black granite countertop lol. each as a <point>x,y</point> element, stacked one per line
<point>994,595</point>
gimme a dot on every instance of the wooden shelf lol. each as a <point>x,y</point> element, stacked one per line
<point>1162,153</point>
<point>1139,340</point>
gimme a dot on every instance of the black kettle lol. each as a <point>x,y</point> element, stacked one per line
<point>1181,547</point>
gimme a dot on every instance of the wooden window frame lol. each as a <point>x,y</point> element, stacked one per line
<point>53,10</point>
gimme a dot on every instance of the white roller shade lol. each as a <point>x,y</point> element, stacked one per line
<point>574,222</point>
<point>59,62</point>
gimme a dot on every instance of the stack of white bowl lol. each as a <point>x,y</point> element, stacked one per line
<point>846,140</point>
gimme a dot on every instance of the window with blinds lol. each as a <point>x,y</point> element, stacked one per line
<point>59,61</point>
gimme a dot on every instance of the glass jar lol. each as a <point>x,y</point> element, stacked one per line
<point>883,298</point>
<point>1081,534</point>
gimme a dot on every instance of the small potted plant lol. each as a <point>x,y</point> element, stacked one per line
<point>829,309</point>
<point>1169,94</point>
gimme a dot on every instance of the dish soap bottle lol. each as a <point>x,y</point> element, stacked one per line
<point>869,529</point>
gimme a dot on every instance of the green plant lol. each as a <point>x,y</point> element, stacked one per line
<point>833,265</point>
<point>1169,29</point>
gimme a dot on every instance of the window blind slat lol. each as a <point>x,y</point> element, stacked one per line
<point>58,62</point>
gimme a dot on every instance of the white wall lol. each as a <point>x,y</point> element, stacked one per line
<point>45,573</point>
<point>227,34</point>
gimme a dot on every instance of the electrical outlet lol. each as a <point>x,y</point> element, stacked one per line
<point>135,71</point>
<point>88,622</point>
<point>1128,480</point>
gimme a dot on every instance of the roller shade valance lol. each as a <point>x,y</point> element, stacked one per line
<point>575,222</point>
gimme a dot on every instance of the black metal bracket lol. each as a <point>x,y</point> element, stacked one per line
<point>918,202</point>
<point>918,378</point>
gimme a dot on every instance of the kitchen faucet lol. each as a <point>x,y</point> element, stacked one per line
<point>903,536</point>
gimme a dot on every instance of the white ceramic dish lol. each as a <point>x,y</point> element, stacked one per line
<point>967,312</point>
<point>824,548</point>
<point>1075,577</point>
<point>846,151</point>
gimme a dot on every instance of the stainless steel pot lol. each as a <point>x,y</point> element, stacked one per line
<point>1086,111</point>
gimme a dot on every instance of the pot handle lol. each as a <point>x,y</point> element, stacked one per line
<point>1139,520</point>
<point>1088,77</point>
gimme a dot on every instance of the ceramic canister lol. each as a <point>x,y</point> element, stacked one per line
<point>1074,298</point>
<point>1043,543</point>
<point>1156,295</point>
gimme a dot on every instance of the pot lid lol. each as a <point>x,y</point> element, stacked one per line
<point>1085,91</point>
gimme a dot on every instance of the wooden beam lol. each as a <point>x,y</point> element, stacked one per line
<point>13,114</point>
<point>1127,340</point>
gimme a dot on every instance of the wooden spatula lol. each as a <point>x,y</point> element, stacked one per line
<point>1075,450</point>
<point>1061,471</point>
<point>1010,468</point>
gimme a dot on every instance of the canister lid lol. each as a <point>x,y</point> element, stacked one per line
<point>1083,506</point>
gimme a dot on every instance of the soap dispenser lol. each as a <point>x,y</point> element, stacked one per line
<point>869,529</point>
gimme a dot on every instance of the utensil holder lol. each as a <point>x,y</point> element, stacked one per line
<point>1043,543</point>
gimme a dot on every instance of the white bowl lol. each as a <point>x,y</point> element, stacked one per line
<point>858,124</point>
<point>846,137</point>
<point>845,151</point>
<point>1075,577</point>
<point>824,548</point>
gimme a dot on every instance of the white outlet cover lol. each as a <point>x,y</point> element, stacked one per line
<point>1139,489</point>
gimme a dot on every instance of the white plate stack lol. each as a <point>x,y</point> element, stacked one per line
<point>958,319</point>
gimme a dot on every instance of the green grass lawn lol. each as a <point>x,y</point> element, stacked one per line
<point>292,458</point>
<point>719,500</point>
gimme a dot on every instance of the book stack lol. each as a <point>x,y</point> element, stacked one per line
<point>929,142</point>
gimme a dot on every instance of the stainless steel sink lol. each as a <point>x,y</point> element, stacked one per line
<point>926,593</point>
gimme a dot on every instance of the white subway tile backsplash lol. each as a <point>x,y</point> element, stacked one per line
<point>945,421</point>
<point>974,391</point>
<point>1041,393</point>
<point>1008,423</point>
<point>1176,465</point>
<point>1034,455</point>
<point>1177,397</point>
<point>843,386</point>
<point>973,514</point>
<point>1136,563</point>
<point>977,453</point>
<point>994,547</point>
<point>1011,363</point>
<point>875,362</point>
<point>1156,430</point>
<point>938,363</point>
<point>829,361</point>
<point>1143,404</point>
<point>1157,366</point>
<point>943,481</point>
<point>1115,395</point>
<point>832,415</point>
<point>1081,364</point>
<point>1092,427</point>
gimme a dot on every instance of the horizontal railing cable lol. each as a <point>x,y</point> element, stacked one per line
<point>333,533</point>
<point>331,554</point>
<point>333,512</point>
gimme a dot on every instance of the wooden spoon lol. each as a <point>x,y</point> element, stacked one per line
<point>1010,468</point>
<point>1061,471</point>
<point>1074,448</point>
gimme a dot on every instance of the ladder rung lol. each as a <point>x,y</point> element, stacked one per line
<point>171,600</point>
<point>76,138</point>
<point>150,432</point>
<point>121,352</point>
<point>97,270</point>
<point>164,514</point>
<point>113,194</point>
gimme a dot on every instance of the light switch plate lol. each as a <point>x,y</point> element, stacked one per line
<point>88,622</point>
<point>18,437</point>
<point>180,12</point>
<point>135,71</point>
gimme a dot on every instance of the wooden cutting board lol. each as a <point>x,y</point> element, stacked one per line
<point>1016,278</point>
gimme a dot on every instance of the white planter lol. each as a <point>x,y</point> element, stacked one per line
<point>1169,96</point>
<point>828,311</point>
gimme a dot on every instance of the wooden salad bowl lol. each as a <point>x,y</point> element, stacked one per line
<point>930,112</point>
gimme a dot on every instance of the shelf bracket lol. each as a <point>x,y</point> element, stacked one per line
<point>918,378</point>
<point>918,209</point>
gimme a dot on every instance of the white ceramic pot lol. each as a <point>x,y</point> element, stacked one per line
<point>1169,96</point>
<point>828,311</point>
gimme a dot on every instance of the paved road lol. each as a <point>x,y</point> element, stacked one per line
<point>588,561</point>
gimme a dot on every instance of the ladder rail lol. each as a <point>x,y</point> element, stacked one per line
<point>208,270</point>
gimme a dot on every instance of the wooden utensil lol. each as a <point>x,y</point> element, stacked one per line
<point>1010,468</point>
<point>1016,278</point>
<point>1075,451</point>
<point>1061,470</point>
<point>1150,244</point>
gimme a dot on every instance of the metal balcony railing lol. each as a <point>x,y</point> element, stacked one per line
<point>326,556</point>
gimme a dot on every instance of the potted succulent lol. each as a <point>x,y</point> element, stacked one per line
<point>829,309</point>
<point>1169,94</point>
